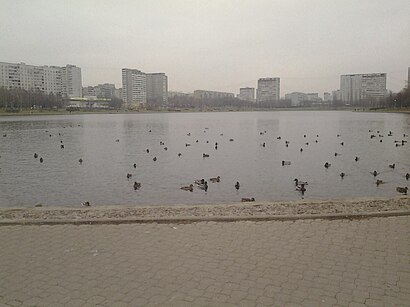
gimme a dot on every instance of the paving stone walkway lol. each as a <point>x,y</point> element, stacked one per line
<point>363,262</point>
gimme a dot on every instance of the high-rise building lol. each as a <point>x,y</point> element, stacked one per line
<point>134,87</point>
<point>268,89</point>
<point>247,94</point>
<point>65,81</point>
<point>157,89</point>
<point>357,87</point>
<point>408,77</point>
<point>336,95</point>
<point>71,81</point>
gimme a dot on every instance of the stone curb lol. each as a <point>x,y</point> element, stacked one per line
<point>195,219</point>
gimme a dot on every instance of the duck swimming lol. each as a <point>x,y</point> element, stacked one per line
<point>86,204</point>
<point>204,155</point>
<point>137,185</point>
<point>80,160</point>
<point>392,165</point>
<point>154,159</point>
<point>378,182</point>
<point>35,155</point>
<point>245,199</point>
<point>402,190</point>
<point>407,176</point>
<point>215,179</point>
<point>203,186</point>
<point>129,175</point>
<point>342,174</point>
<point>188,188</point>
<point>375,173</point>
<point>327,165</point>
<point>356,159</point>
<point>237,185</point>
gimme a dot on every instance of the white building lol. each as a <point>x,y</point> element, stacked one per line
<point>134,87</point>
<point>357,87</point>
<point>268,89</point>
<point>201,94</point>
<point>157,89</point>
<point>296,98</point>
<point>106,90</point>
<point>65,81</point>
<point>247,94</point>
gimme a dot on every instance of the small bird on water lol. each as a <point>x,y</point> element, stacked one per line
<point>237,185</point>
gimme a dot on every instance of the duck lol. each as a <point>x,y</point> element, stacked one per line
<point>342,143</point>
<point>41,160</point>
<point>204,155</point>
<point>165,148</point>
<point>237,185</point>
<point>188,188</point>
<point>298,182</point>
<point>147,150</point>
<point>402,190</point>
<point>137,185</point>
<point>129,175</point>
<point>86,204</point>
<point>117,140</point>
<point>407,176</point>
<point>356,159</point>
<point>154,159</point>
<point>215,179</point>
<point>285,163</point>
<point>179,154</point>
<point>264,144</point>
<point>187,144</point>
<point>279,138</point>
<point>204,186</point>
<point>199,181</point>
<point>35,155</point>
<point>342,175</point>
<point>230,140</point>
<point>245,199</point>
<point>392,165</point>
<point>327,165</point>
<point>135,165</point>
<point>80,160</point>
<point>336,154</point>
<point>375,173</point>
<point>301,188</point>
<point>379,181</point>
<point>62,146</point>
<point>301,149</point>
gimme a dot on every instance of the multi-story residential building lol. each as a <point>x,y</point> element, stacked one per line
<point>268,89</point>
<point>327,97</point>
<point>247,94</point>
<point>201,94</point>
<point>65,81</point>
<point>105,90</point>
<point>134,87</point>
<point>357,87</point>
<point>408,77</point>
<point>296,98</point>
<point>157,89</point>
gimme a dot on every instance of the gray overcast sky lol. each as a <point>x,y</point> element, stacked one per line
<point>214,45</point>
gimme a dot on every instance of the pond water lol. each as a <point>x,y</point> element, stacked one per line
<point>109,145</point>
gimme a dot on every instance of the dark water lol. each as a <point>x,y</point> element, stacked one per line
<point>101,179</point>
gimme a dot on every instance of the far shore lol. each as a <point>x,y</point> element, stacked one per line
<point>257,210</point>
<point>29,112</point>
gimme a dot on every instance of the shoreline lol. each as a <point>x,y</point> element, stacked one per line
<point>290,210</point>
<point>122,112</point>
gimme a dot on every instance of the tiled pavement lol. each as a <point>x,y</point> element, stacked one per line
<point>294,263</point>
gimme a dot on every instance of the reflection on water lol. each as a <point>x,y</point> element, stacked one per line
<point>102,177</point>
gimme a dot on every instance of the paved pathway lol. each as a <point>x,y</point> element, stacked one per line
<point>301,263</point>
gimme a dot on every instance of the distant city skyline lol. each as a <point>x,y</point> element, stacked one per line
<point>213,45</point>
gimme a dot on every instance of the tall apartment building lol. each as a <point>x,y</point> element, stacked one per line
<point>65,81</point>
<point>134,87</point>
<point>357,87</point>
<point>157,89</point>
<point>247,94</point>
<point>201,94</point>
<point>268,89</point>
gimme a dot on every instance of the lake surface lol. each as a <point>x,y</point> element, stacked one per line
<point>102,177</point>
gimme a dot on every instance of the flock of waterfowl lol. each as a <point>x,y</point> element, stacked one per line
<point>300,185</point>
